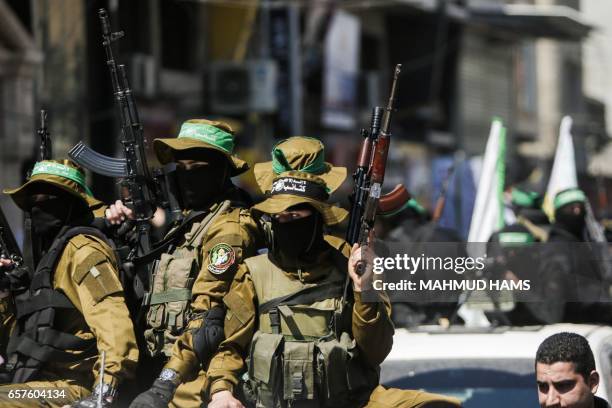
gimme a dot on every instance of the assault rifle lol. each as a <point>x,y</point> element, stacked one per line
<point>46,148</point>
<point>8,245</point>
<point>146,190</point>
<point>370,174</point>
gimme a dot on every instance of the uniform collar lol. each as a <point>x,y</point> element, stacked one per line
<point>305,270</point>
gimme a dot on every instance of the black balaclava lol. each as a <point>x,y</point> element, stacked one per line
<point>300,238</point>
<point>203,181</point>
<point>49,216</point>
<point>570,221</point>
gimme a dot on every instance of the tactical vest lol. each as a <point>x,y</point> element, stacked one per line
<point>303,354</point>
<point>173,277</point>
<point>36,339</point>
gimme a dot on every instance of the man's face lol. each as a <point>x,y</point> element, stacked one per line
<point>559,385</point>
<point>292,214</point>
<point>201,177</point>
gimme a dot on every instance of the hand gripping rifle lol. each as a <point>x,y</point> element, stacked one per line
<point>132,168</point>
<point>8,245</point>
<point>370,174</point>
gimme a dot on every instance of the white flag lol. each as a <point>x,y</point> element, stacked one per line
<point>563,174</point>
<point>488,214</point>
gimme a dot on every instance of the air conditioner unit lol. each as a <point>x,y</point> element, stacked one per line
<point>238,88</point>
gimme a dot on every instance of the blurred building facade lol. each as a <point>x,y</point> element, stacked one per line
<point>19,64</point>
<point>268,66</point>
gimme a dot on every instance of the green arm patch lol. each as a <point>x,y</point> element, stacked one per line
<point>220,258</point>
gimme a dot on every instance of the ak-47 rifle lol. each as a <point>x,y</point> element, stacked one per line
<point>46,148</point>
<point>370,174</point>
<point>144,190</point>
<point>8,245</point>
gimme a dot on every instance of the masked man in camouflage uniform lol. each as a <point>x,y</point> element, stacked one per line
<point>73,308</point>
<point>184,305</point>
<point>297,311</point>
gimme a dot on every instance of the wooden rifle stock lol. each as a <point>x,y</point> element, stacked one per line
<point>393,200</point>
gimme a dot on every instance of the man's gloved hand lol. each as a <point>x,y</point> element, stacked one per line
<point>108,396</point>
<point>16,279</point>
<point>161,392</point>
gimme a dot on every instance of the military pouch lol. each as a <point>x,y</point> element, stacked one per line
<point>265,367</point>
<point>332,369</point>
<point>171,293</point>
<point>265,356</point>
<point>298,371</point>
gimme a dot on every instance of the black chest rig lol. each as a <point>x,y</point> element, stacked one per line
<point>36,339</point>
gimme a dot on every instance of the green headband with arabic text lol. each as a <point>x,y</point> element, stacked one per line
<point>61,170</point>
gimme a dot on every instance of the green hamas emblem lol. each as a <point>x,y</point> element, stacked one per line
<point>220,258</point>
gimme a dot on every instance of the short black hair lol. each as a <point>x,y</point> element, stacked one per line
<point>570,348</point>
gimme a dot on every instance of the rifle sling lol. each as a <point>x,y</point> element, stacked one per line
<point>305,296</point>
<point>163,245</point>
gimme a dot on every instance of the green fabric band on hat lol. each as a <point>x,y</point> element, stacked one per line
<point>515,238</point>
<point>569,196</point>
<point>523,198</point>
<point>57,169</point>
<point>281,165</point>
<point>208,134</point>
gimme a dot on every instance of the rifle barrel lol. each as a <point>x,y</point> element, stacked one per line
<point>391,103</point>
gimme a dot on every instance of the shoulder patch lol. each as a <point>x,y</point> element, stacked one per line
<point>80,240</point>
<point>220,258</point>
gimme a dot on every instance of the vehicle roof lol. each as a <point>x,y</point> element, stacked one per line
<point>427,343</point>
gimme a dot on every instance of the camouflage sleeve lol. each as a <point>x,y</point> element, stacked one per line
<point>371,321</point>
<point>100,296</point>
<point>372,328</point>
<point>228,363</point>
<point>230,239</point>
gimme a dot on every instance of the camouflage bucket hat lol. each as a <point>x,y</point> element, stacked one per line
<point>299,153</point>
<point>294,188</point>
<point>569,196</point>
<point>202,134</point>
<point>63,174</point>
